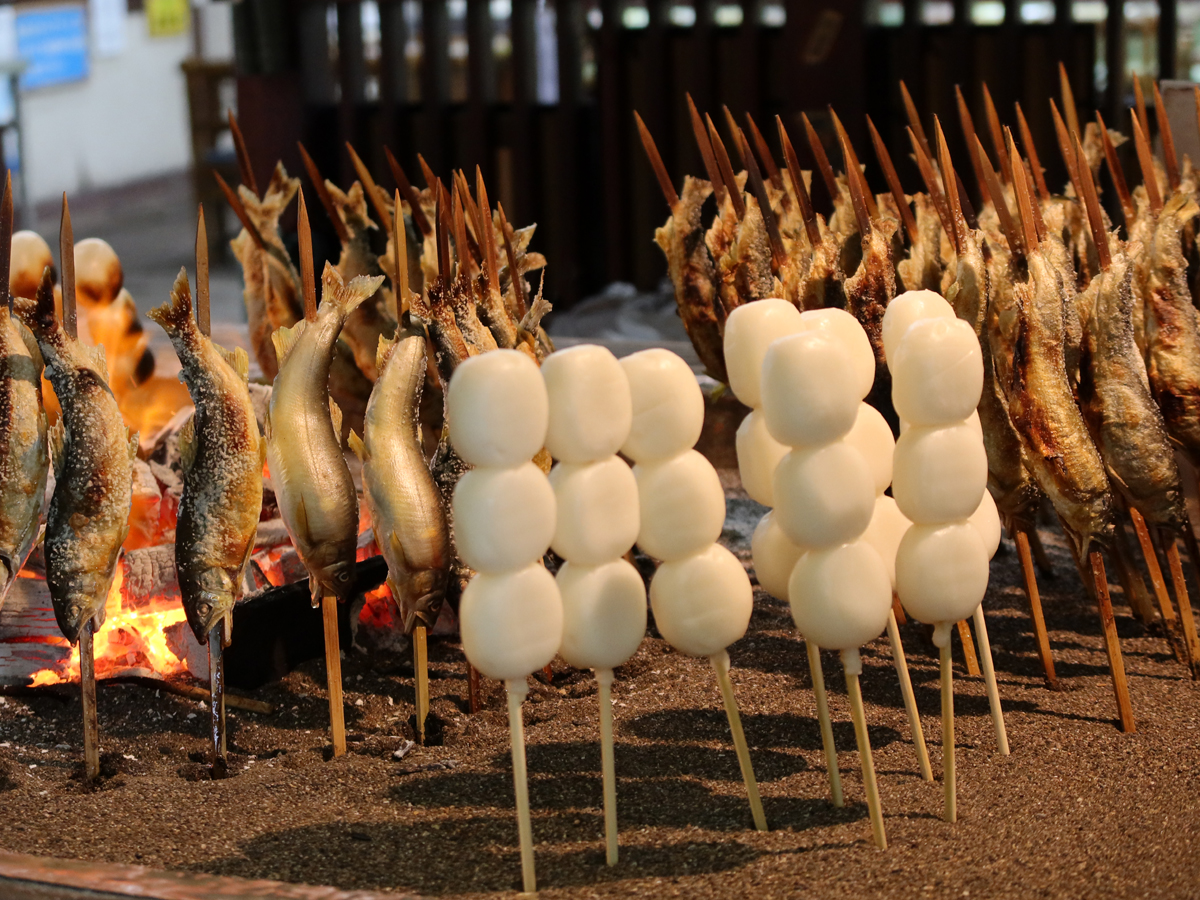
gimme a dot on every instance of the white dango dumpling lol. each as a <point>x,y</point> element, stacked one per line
<point>825,495</point>
<point>590,407</point>
<point>839,324</point>
<point>872,437</point>
<point>809,395</point>
<point>511,623</point>
<point>907,308</point>
<point>668,407</point>
<point>604,613</point>
<point>973,420</point>
<point>682,505</point>
<point>702,603</point>
<point>497,410</point>
<point>939,474</point>
<point>840,596</point>
<point>774,555</point>
<point>885,532</point>
<point>750,329</point>
<point>597,516</point>
<point>986,520</point>
<point>941,571</point>
<point>937,372</point>
<point>758,454</point>
<point>504,519</point>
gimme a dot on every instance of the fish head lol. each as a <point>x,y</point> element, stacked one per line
<point>208,601</point>
<point>422,597</point>
<point>338,578</point>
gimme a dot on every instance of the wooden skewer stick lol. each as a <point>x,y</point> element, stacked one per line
<point>87,652</point>
<point>992,185</point>
<point>239,209</point>
<point>706,153</point>
<point>764,154</point>
<point>1035,608</point>
<point>993,119</point>
<point>243,156</point>
<point>403,293</point>
<point>374,195</point>
<point>409,192</point>
<point>970,658</point>
<point>989,679</point>
<point>852,664</point>
<point>656,163</point>
<point>1068,101</point>
<point>516,729</point>
<point>954,196</point>
<point>1170,160</point>
<point>818,151</point>
<point>726,169</point>
<point>929,176</point>
<point>720,664</point>
<point>830,748</point>
<point>1064,147</point>
<point>914,120</point>
<point>1023,185</point>
<point>811,227</point>
<point>778,253</point>
<point>1111,644</point>
<point>732,125</point>
<point>604,680</point>
<point>893,180</point>
<point>1117,174</point>
<point>1131,578</point>
<point>318,183</point>
<point>1039,176</point>
<point>426,172</point>
<point>513,274</point>
<point>1146,162</point>
<point>1152,564</point>
<point>1092,207</point>
<point>850,157</point>
<point>968,127</point>
<point>862,214</point>
<point>906,691</point>
<point>1140,104</point>
<point>421,679</point>
<point>1181,597</point>
<point>949,779</point>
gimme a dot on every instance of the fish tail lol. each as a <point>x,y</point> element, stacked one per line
<point>346,297</point>
<point>175,315</point>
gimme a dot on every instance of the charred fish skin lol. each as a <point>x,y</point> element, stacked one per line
<point>24,461</point>
<point>93,456</point>
<point>317,498</point>
<point>222,453</point>
<point>405,506</point>
<point>1116,403</point>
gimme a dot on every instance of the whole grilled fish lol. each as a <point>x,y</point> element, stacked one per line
<point>406,509</point>
<point>93,456</point>
<point>316,494</point>
<point>222,454</point>
<point>23,458</point>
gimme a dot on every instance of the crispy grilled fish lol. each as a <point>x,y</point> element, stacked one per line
<point>406,509</point>
<point>24,462</point>
<point>868,292</point>
<point>93,456</point>
<point>222,453</point>
<point>922,268</point>
<point>316,494</point>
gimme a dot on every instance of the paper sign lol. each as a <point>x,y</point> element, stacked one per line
<point>53,40</point>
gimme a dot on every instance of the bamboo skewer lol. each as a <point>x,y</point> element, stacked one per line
<point>243,157</point>
<point>893,180</point>
<point>968,127</point>
<point>914,121</point>
<point>726,169</point>
<point>1170,160</point>
<point>830,748</point>
<point>1035,608</point>
<point>604,680</point>
<point>318,183</point>
<point>374,195</point>
<point>1156,576</point>
<point>1068,101</point>
<point>1186,619</point>
<point>949,779</point>
<point>970,658</point>
<point>1035,165</point>
<point>404,186</point>
<point>706,153</point>
<point>1118,175</point>
<point>989,679</point>
<point>1111,644</point>
<point>1146,162</point>
<point>997,133</point>
<point>516,729</point>
<point>910,700</point>
<point>818,151</point>
<point>720,664</point>
<point>852,664</point>
<point>754,177</point>
<point>811,227</point>
<point>850,158</point>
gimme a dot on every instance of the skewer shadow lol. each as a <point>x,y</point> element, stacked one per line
<point>786,730</point>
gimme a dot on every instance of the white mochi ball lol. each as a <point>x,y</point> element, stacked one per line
<point>591,410</point>
<point>941,572</point>
<point>872,437</point>
<point>774,555</point>
<point>972,420</point>
<point>907,308</point>
<point>511,624</point>
<point>604,614</point>
<point>986,520</point>
<point>702,603</point>
<point>841,325</point>
<point>749,331</point>
<point>840,596</point>
<point>758,454</point>
<point>682,505</point>
<point>825,495</point>
<point>597,510</point>
<point>496,409</point>
<point>668,407</point>
<point>504,519</point>
<point>939,474</point>
<point>884,533</point>
<point>808,389</point>
<point>937,372</point>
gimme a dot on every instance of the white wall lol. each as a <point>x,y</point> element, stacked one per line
<point>127,121</point>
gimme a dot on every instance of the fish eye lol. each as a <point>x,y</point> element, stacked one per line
<point>343,576</point>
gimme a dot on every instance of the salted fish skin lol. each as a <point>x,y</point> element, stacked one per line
<point>222,473</point>
<point>88,518</point>
<point>24,458</point>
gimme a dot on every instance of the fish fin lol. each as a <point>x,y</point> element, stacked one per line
<point>357,446</point>
<point>243,568</point>
<point>31,343</point>
<point>237,359</point>
<point>335,414</point>
<point>398,549</point>
<point>285,338</point>
<point>384,351</point>
<point>266,433</point>
<point>346,297</point>
<point>301,520</point>
<point>95,355</point>
<point>187,444</point>
<point>174,315</point>
<point>58,439</point>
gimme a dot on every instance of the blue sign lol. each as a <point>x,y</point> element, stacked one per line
<point>54,42</point>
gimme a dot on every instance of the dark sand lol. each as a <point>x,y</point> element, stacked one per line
<point>1078,809</point>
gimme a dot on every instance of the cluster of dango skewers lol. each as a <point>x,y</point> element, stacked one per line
<point>1090,343</point>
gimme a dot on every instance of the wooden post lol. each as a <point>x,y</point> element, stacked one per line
<point>989,679</point>
<point>948,774</point>
<point>333,673</point>
<point>968,648</point>
<point>852,663</point>
<point>604,680</point>
<point>831,760</point>
<point>516,729</point>
<point>1035,609</point>
<point>720,663</point>
<point>421,680</point>
<point>1111,645</point>
<point>910,700</point>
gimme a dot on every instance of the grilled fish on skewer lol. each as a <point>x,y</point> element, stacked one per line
<point>316,495</point>
<point>222,453</point>
<point>93,455</point>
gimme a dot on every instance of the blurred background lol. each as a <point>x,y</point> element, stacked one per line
<point>122,103</point>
